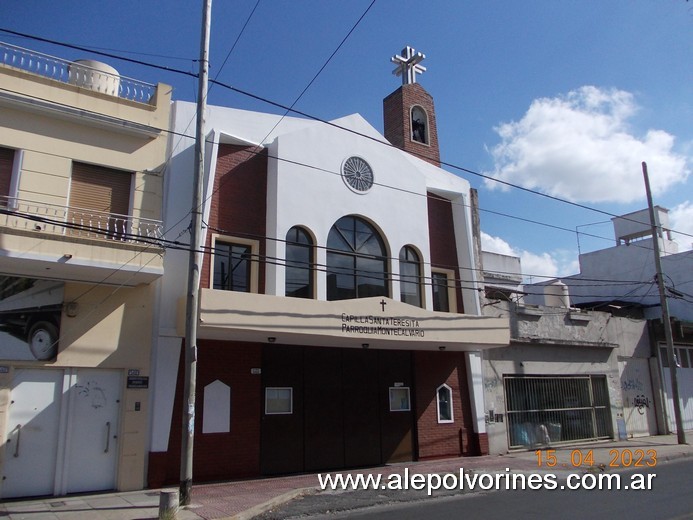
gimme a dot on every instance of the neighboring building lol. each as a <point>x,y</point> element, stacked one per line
<point>629,269</point>
<point>502,277</point>
<point>563,378</point>
<point>339,320</point>
<point>622,280</point>
<point>81,156</point>
<point>569,375</point>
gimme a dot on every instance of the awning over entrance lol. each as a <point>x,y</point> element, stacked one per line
<point>368,322</point>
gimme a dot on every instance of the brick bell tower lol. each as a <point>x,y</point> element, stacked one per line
<point>409,114</point>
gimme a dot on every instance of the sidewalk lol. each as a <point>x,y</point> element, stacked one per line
<point>248,498</point>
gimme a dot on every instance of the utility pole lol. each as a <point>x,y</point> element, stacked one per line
<point>681,434</point>
<point>195,265</point>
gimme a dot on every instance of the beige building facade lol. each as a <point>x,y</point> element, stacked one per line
<point>82,151</point>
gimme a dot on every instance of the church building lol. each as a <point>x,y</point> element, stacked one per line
<point>339,319</point>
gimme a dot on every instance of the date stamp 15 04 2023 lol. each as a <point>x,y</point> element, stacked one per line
<point>624,458</point>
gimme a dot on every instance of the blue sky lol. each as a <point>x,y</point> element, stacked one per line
<point>563,97</point>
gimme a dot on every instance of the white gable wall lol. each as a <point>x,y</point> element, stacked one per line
<point>315,196</point>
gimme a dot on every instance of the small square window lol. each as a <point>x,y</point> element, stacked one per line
<point>399,399</point>
<point>232,266</point>
<point>279,401</point>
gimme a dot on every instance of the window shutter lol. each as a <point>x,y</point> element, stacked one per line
<point>100,189</point>
<point>6,162</point>
<point>100,199</point>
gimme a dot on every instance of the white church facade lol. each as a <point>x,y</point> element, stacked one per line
<point>339,322</point>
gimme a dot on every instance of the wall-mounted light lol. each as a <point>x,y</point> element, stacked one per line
<point>441,348</point>
<point>67,256</point>
<point>365,345</point>
<point>271,339</point>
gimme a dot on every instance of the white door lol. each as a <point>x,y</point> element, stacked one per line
<point>62,432</point>
<point>638,400</point>
<point>92,432</point>
<point>32,433</point>
<point>684,377</point>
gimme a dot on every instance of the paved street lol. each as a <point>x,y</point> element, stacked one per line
<point>670,498</point>
<point>299,495</point>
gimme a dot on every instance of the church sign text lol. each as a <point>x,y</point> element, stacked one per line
<point>381,325</point>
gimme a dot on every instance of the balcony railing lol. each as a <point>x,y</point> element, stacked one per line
<point>77,222</point>
<point>75,73</point>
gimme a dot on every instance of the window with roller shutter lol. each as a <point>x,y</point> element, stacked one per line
<point>99,201</point>
<point>6,162</point>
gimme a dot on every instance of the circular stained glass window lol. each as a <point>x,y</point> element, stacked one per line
<point>357,174</point>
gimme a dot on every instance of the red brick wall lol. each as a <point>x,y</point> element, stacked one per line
<point>397,121</point>
<point>217,456</point>
<point>239,203</point>
<point>482,439</point>
<point>441,232</point>
<point>436,440</point>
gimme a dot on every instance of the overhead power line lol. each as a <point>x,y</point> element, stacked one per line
<point>259,151</point>
<point>208,250</point>
<point>289,109</point>
<point>100,53</point>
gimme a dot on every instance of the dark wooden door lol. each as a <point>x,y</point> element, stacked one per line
<point>341,413</point>
<point>324,427</point>
<point>397,437</point>
<point>282,434</point>
<point>361,408</point>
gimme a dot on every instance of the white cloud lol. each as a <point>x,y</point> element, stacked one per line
<point>496,245</point>
<point>542,265</point>
<point>681,219</point>
<point>535,267</point>
<point>579,147</point>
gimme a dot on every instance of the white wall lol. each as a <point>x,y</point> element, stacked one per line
<point>317,197</point>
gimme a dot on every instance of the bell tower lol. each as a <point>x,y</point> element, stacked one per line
<point>409,114</point>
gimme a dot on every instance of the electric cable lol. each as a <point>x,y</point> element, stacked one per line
<point>317,119</point>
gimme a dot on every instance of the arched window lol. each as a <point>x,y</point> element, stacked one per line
<point>299,264</point>
<point>444,400</point>
<point>419,125</point>
<point>410,276</point>
<point>356,261</point>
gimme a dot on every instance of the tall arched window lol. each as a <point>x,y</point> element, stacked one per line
<point>444,404</point>
<point>356,261</point>
<point>410,276</point>
<point>299,264</point>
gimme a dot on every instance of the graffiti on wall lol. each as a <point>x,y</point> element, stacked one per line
<point>491,384</point>
<point>632,384</point>
<point>641,402</point>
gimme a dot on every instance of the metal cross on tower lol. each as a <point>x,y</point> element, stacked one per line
<point>408,65</point>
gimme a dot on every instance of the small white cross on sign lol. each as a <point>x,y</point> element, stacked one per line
<point>408,65</point>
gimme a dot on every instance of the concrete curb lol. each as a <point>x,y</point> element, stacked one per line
<point>291,495</point>
<point>274,502</point>
<point>676,456</point>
